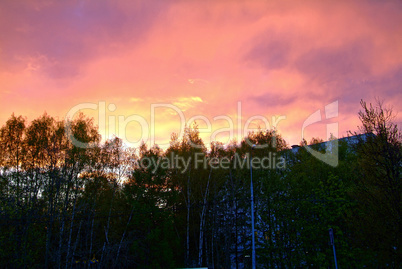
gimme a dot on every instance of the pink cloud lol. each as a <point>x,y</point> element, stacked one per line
<point>276,58</point>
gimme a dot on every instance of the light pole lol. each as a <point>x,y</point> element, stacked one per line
<point>252,211</point>
<point>332,243</point>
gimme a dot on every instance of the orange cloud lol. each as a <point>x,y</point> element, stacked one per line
<point>286,58</point>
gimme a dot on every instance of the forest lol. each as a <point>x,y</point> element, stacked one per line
<point>107,205</point>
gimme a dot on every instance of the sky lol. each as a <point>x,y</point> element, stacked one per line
<point>146,69</point>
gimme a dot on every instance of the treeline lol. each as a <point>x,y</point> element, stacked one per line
<point>109,206</point>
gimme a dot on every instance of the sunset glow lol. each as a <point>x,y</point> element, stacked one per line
<point>221,62</point>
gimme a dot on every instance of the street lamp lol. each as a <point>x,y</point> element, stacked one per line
<point>252,211</point>
<point>332,243</point>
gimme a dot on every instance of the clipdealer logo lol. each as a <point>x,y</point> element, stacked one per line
<point>148,132</point>
<point>330,156</point>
